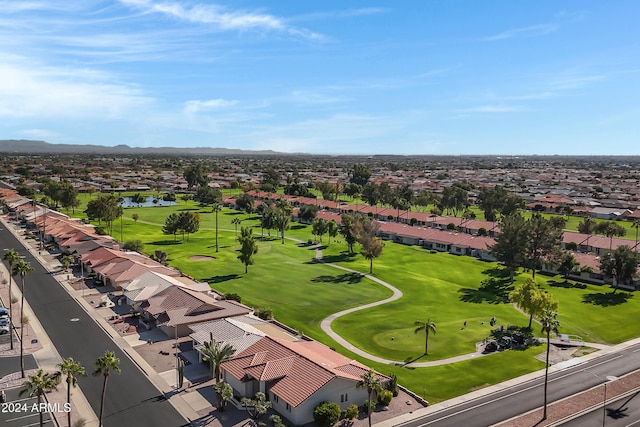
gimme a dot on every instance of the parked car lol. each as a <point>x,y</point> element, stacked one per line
<point>4,329</point>
<point>4,313</point>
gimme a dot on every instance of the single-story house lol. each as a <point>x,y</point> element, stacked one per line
<point>296,376</point>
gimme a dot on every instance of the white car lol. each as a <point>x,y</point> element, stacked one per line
<point>4,329</point>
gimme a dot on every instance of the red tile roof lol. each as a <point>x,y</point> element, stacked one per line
<point>296,369</point>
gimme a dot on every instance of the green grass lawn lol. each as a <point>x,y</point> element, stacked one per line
<point>446,288</point>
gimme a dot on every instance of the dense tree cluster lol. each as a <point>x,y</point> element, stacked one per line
<point>185,222</point>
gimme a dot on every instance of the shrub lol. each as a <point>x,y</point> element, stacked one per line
<point>233,297</point>
<point>133,245</point>
<point>451,226</point>
<point>390,217</point>
<point>351,412</point>
<point>572,246</point>
<point>100,230</point>
<point>413,221</point>
<point>392,385</point>
<point>276,420</point>
<point>384,397</point>
<point>326,414</point>
<point>263,313</point>
<point>482,231</point>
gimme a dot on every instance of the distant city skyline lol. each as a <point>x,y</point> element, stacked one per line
<point>331,77</point>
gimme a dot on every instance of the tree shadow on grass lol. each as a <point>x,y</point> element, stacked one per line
<point>221,278</point>
<point>606,299</point>
<point>410,360</point>
<point>350,278</point>
<point>498,272</point>
<point>343,257</point>
<point>166,242</point>
<point>189,209</point>
<point>566,284</point>
<point>493,291</point>
<point>297,226</point>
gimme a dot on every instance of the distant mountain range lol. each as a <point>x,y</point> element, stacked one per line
<point>32,147</point>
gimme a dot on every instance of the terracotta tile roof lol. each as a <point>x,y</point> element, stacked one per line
<point>271,370</point>
<point>295,370</point>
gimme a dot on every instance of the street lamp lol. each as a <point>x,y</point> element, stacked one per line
<point>604,401</point>
<point>606,380</point>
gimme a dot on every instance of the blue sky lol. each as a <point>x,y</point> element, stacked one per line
<point>336,77</point>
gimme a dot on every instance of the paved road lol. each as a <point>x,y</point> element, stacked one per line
<point>505,404</point>
<point>624,412</point>
<point>131,398</point>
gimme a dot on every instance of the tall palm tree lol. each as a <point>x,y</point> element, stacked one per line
<point>22,268</point>
<point>38,384</point>
<point>636,225</point>
<point>121,212</point>
<point>71,369</point>
<point>236,221</point>
<point>215,353</point>
<point>215,207</point>
<point>11,256</point>
<point>105,365</point>
<point>427,327</point>
<point>549,321</point>
<point>370,382</point>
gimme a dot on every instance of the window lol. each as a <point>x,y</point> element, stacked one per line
<point>344,397</point>
<point>275,398</point>
<point>288,407</point>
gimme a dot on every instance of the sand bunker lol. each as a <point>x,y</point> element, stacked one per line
<point>201,258</point>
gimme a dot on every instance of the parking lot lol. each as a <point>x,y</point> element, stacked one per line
<point>20,411</point>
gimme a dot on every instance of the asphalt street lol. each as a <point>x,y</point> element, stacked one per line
<point>131,398</point>
<point>499,406</point>
<point>624,412</point>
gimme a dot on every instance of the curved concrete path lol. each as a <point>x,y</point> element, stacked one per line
<point>326,327</point>
<point>397,294</point>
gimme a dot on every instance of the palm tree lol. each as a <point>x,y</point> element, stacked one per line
<point>636,225</point>
<point>71,369</point>
<point>38,384</point>
<point>11,256</point>
<point>215,207</point>
<point>21,268</point>
<point>224,393</point>
<point>105,365</point>
<point>121,212</point>
<point>215,353</point>
<point>370,382</point>
<point>427,327</point>
<point>549,321</point>
<point>236,221</point>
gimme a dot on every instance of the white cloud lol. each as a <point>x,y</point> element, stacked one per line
<point>532,31</point>
<point>39,133</point>
<point>30,89</point>
<point>220,17</point>
<point>493,109</point>
<point>196,106</point>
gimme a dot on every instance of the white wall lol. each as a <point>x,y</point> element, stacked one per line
<point>303,413</point>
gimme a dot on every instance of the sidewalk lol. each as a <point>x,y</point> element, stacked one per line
<point>38,344</point>
<point>47,356</point>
